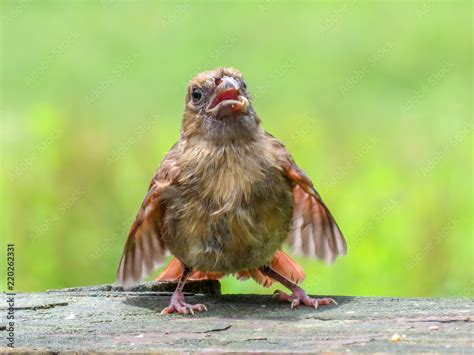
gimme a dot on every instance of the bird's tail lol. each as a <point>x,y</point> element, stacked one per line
<point>174,269</point>
<point>281,262</point>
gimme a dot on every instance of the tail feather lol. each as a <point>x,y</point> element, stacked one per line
<point>174,270</point>
<point>198,275</point>
<point>255,274</point>
<point>283,264</point>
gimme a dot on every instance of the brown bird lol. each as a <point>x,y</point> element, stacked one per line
<point>225,199</point>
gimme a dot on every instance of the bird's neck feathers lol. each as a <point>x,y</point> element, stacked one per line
<point>235,131</point>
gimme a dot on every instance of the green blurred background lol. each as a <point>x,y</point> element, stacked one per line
<point>374,100</point>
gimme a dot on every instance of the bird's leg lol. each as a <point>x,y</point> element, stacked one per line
<point>177,304</point>
<point>298,295</point>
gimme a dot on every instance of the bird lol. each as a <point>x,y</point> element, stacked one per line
<point>225,200</point>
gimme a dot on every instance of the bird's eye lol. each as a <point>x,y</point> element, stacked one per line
<point>244,84</point>
<point>196,95</point>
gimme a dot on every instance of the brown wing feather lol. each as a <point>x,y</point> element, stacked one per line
<point>145,250</point>
<point>314,233</point>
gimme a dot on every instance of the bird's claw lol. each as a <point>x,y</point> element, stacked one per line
<point>184,308</point>
<point>300,297</point>
<point>295,303</point>
<point>276,294</point>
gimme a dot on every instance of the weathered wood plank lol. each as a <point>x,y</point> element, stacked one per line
<point>108,319</point>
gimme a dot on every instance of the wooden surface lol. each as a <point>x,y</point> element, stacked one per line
<point>108,319</point>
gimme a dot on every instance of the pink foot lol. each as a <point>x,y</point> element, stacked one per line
<point>299,296</point>
<point>177,305</point>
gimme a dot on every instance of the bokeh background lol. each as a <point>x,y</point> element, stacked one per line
<point>374,100</point>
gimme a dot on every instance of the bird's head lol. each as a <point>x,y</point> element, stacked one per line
<point>218,107</point>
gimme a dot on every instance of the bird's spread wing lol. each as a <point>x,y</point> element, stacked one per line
<point>314,231</point>
<point>145,250</point>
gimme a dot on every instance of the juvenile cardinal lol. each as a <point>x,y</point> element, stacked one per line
<point>225,199</point>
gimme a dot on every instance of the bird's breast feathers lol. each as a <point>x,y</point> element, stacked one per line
<point>232,209</point>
